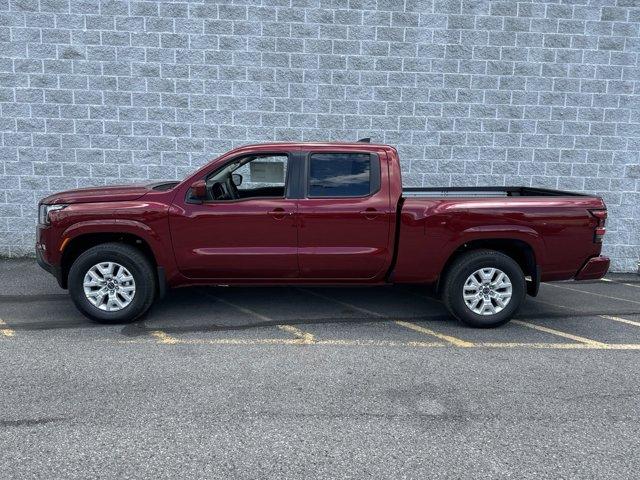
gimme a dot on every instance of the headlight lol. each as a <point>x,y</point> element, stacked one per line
<point>45,210</point>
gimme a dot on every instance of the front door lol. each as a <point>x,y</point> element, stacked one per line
<point>246,229</point>
<point>345,216</point>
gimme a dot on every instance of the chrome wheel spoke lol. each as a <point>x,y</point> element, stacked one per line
<point>487,274</point>
<point>123,277</point>
<point>97,278</point>
<point>473,282</point>
<point>475,302</point>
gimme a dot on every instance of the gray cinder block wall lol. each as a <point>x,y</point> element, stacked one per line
<point>472,92</point>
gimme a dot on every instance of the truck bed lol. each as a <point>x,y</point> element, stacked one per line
<point>435,222</point>
<point>466,192</point>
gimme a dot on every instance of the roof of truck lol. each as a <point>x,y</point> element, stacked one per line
<point>350,145</point>
<point>317,144</point>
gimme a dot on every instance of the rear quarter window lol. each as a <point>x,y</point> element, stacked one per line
<point>343,174</point>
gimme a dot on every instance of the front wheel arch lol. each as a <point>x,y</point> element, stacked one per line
<point>81,243</point>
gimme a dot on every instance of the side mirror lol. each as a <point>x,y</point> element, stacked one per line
<point>199,190</point>
<point>237,179</point>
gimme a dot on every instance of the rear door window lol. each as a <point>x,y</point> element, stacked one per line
<point>343,174</point>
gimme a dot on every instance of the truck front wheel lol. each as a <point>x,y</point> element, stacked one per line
<point>112,283</point>
<point>484,288</point>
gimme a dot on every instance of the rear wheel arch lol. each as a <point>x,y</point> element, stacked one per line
<point>522,252</point>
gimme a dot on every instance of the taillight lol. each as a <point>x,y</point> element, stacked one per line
<point>601,217</point>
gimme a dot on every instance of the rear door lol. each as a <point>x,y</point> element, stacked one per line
<point>344,226</point>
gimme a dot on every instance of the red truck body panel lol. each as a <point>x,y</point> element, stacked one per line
<point>382,237</point>
<point>559,230</point>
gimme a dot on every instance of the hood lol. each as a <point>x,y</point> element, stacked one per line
<point>116,193</point>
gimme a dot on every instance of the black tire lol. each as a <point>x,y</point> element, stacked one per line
<point>459,272</point>
<point>130,258</point>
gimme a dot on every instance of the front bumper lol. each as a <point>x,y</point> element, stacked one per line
<point>52,269</point>
<point>596,267</point>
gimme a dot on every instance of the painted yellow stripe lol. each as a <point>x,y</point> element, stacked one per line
<point>563,346</point>
<point>621,320</point>
<point>427,331</point>
<point>344,304</point>
<point>386,343</point>
<point>607,317</point>
<point>620,283</point>
<point>252,313</point>
<point>592,293</point>
<point>305,336</point>
<point>378,343</point>
<point>552,331</point>
<point>6,332</point>
<point>164,337</point>
<point>412,326</point>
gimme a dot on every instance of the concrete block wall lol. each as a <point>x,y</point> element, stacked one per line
<point>472,92</point>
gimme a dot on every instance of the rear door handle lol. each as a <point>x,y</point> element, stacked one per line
<point>279,213</point>
<point>370,213</point>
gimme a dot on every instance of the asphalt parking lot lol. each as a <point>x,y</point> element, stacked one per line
<point>319,383</point>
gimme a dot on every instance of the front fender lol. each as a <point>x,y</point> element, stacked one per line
<point>133,227</point>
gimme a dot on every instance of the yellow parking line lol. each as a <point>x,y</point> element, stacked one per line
<point>412,326</point>
<point>240,341</point>
<point>304,336</point>
<point>344,304</point>
<point>621,320</point>
<point>620,283</point>
<point>447,338</point>
<point>164,337</point>
<point>552,331</point>
<point>6,332</point>
<point>378,343</point>
<point>607,317</point>
<point>570,346</point>
<point>390,343</point>
<point>593,293</point>
<point>563,346</point>
<point>243,309</point>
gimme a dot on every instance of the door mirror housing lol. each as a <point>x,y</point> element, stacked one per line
<point>237,179</point>
<point>199,190</point>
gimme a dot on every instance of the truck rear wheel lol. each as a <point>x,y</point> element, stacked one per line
<point>484,288</point>
<point>112,283</point>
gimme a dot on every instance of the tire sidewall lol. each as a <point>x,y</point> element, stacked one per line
<point>502,262</point>
<point>144,285</point>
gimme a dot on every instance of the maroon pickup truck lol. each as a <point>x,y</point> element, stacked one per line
<point>316,213</point>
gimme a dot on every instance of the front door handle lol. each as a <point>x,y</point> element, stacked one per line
<point>279,213</point>
<point>370,213</point>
